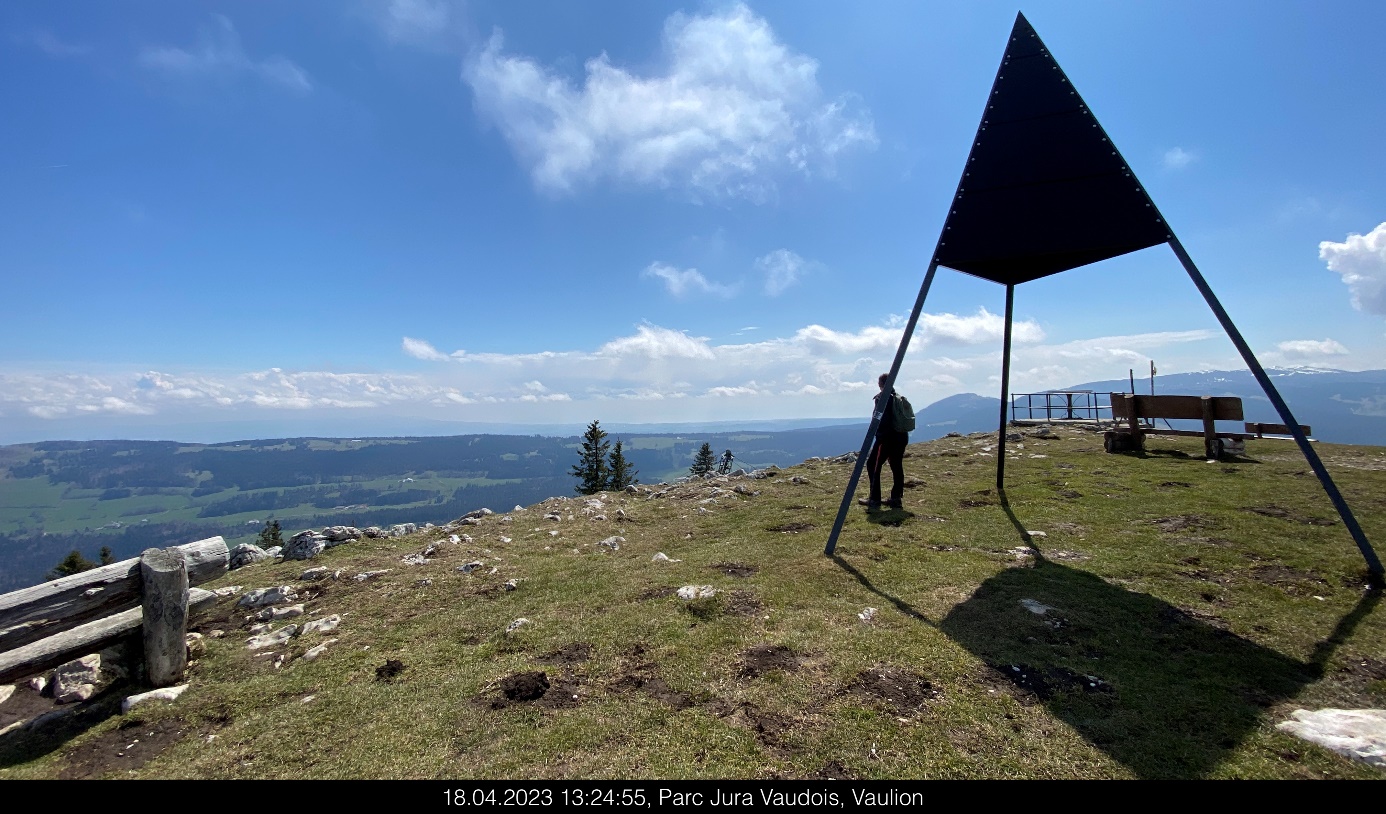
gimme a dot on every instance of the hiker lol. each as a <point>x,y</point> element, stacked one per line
<point>891,440</point>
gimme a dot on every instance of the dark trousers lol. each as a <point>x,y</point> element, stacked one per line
<point>889,448</point>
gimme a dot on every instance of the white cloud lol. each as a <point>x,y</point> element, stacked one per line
<point>983,326</point>
<point>1311,348</point>
<point>682,282</point>
<point>1361,260</point>
<point>730,110</point>
<point>654,342</point>
<point>1177,158</point>
<point>219,52</point>
<point>419,349</point>
<point>51,45</point>
<point>821,340</point>
<point>782,269</point>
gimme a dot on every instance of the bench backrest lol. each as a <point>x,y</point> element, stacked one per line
<point>1225,408</point>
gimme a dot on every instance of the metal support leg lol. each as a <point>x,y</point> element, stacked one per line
<point>1005,389</point>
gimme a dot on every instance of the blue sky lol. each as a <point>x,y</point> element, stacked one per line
<point>351,215</point>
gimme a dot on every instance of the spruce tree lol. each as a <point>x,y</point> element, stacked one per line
<point>271,535</point>
<point>107,556</point>
<point>73,563</point>
<point>703,462</point>
<point>591,469</point>
<point>622,473</point>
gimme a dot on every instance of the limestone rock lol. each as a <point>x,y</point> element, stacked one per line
<point>1359,734</point>
<point>662,557</point>
<point>511,584</point>
<point>697,592</point>
<point>304,546</point>
<point>470,567</point>
<point>402,529</point>
<point>743,489</point>
<point>261,597</point>
<point>372,532</point>
<point>197,646</point>
<point>336,535</point>
<point>324,625</point>
<point>613,543</point>
<point>77,680</point>
<point>274,551</point>
<point>365,575</point>
<point>229,590</point>
<point>6,690</point>
<point>315,574</point>
<point>313,653</point>
<point>161,694</point>
<point>867,614</point>
<point>275,614</point>
<point>415,559</point>
<point>246,554</point>
<point>39,683</point>
<point>273,639</point>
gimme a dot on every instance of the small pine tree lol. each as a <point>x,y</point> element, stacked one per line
<point>703,462</point>
<point>107,556</point>
<point>271,535</point>
<point>622,473</point>
<point>73,563</point>
<point>591,469</point>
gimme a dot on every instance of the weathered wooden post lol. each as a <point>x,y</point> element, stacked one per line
<point>165,614</point>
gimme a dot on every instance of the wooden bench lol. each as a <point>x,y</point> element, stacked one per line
<point>1261,429</point>
<point>1135,409</point>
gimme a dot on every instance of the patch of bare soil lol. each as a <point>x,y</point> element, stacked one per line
<point>1292,581</point>
<point>1076,529</point>
<point>763,658</point>
<point>1181,522</point>
<point>734,569</point>
<point>903,691</point>
<point>572,653</point>
<point>1285,514</point>
<point>833,770</point>
<point>390,670</point>
<point>743,603</point>
<point>1063,555</point>
<point>536,688</point>
<point>130,746</point>
<point>1043,683</point>
<point>653,686</point>
<point>769,728</point>
<point>1070,494</point>
<point>1171,483</point>
<point>24,705</point>
<point>658,592</point>
<point>791,528</point>
<point>973,504</point>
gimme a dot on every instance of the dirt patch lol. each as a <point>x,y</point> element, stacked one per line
<point>833,770</point>
<point>653,686</point>
<point>1181,522</point>
<point>572,653</point>
<point>525,686</point>
<point>129,746</point>
<point>973,504</point>
<point>1044,683</point>
<point>662,592</point>
<point>791,528</point>
<point>1285,514</point>
<point>389,671</point>
<point>535,688</point>
<point>763,658</point>
<point>1076,529</point>
<point>1062,555</point>
<point>743,603</point>
<point>769,728</point>
<point>901,690</point>
<point>1292,581</point>
<point>1070,494</point>
<point>1179,483</point>
<point>734,569</point>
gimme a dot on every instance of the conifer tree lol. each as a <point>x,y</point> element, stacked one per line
<point>703,462</point>
<point>271,535</point>
<point>591,469</point>
<point>622,473</point>
<point>73,563</point>
<point>107,556</point>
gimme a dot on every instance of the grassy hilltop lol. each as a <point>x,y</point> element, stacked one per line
<point>1113,616</point>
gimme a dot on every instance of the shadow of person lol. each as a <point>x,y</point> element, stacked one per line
<point>1163,692</point>
<point>889,517</point>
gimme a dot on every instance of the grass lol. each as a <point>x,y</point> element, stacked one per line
<point>1191,607</point>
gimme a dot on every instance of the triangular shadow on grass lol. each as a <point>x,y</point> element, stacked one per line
<point>1161,691</point>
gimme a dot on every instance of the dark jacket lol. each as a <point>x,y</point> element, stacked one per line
<point>887,407</point>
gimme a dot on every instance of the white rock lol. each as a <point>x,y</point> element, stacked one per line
<point>554,516</point>
<point>553,533</point>
<point>517,624</point>
<point>274,639</point>
<point>662,557</point>
<point>246,554</point>
<point>260,597</point>
<point>324,625</point>
<point>1035,607</point>
<point>365,575</point>
<point>6,690</point>
<point>470,567</point>
<point>613,543</point>
<point>256,630</point>
<point>274,551</point>
<point>38,683</point>
<point>1359,734</point>
<point>454,539</point>
<point>304,546</point>
<point>275,614</point>
<point>314,574</point>
<point>518,508</point>
<point>77,679</point>
<point>512,584</point>
<point>697,592</point>
<point>415,559</point>
<point>313,653</point>
<point>196,644</point>
<point>229,590</point>
<point>867,614</point>
<point>1036,534</point>
<point>161,694</point>
<point>704,510</point>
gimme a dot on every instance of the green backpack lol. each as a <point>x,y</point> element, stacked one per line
<point>903,413</point>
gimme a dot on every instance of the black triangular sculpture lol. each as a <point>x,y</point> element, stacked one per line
<point>1044,190</point>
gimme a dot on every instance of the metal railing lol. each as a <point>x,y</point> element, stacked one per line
<point>1060,405</point>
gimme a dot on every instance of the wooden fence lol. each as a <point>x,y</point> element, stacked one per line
<point>148,597</point>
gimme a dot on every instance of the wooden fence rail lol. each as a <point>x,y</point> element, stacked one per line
<point>49,624</point>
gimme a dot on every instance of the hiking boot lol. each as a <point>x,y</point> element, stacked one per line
<point>896,504</point>
<point>873,505</point>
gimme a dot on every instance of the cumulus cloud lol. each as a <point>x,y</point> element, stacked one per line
<point>219,53</point>
<point>982,326</point>
<point>419,349</point>
<point>680,282</point>
<point>1177,158</point>
<point>654,342</point>
<point>782,269</point>
<point>1361,261</point>
<point>1311,348</point>
<point>729,110</point>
